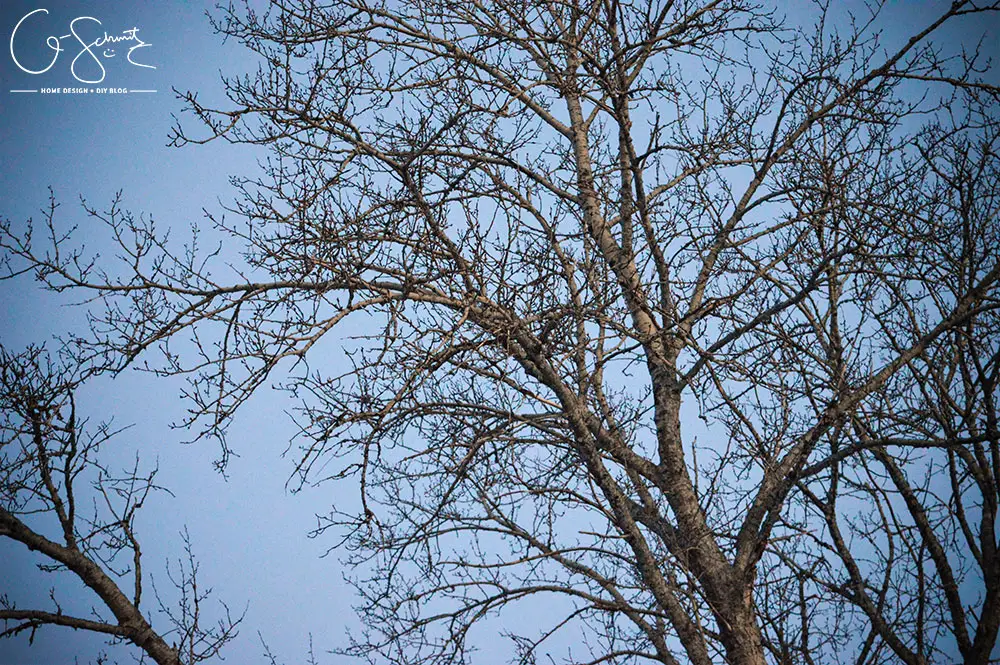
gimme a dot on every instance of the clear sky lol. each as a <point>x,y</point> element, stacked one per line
<point>250,534</point>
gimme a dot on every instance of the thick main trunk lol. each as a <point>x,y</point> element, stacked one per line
<point>726,592</point>
<point>741,636</point>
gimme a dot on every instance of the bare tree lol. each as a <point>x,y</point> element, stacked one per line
<point>46,454</point>
<point>664,316</point>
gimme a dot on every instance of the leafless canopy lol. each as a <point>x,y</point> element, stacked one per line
<point>673,328</point>
<point>59,498</point>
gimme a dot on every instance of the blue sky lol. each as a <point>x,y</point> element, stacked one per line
<point>249,533</point>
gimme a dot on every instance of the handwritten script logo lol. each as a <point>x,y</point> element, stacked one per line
<point>105,42</point>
